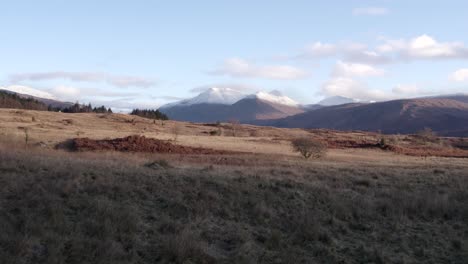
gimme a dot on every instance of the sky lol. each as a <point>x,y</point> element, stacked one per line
<point>127,54</point>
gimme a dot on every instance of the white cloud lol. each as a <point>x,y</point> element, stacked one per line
<point>343,82</point>
<point>66,92</point>
<point>347,87</point>
<point>459,75</point>
<point>370,11</point>
<point>406,89</point>
<point>233,86</point>
<point>349,51</point>
<point>237,67</point>
<point>319,49</point>
<point>121,81</point>
<point>126,105</point>
<point>343,69</point>
<point>425,47</point>
<point>367,56</point>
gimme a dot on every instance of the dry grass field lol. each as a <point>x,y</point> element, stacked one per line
<point>262,203</point>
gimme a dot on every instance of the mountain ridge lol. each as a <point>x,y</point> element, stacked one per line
<point>445,116</point>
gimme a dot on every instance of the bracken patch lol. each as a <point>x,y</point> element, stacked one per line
<point>137,143</point>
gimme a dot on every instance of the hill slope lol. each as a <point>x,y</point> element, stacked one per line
<point>445,116</point>
<point>35,95</point>
<point>13,100</point>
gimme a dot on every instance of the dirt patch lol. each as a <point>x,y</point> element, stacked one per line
<point>138,144</point>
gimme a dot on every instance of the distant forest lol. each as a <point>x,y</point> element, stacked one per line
<point>12,100</point>
<point>80,108</point>
<point>149,113</point>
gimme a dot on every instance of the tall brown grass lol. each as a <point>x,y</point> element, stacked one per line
<point>58,207</point>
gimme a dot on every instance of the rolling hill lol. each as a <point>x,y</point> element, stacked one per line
<point>446,116</point>
<point>36,95</point>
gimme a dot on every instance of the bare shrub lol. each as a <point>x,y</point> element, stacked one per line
<point>158,164</point>
<point>235,127</point>
<point>26,135</point>
<point>382,142</point>
<point>176,131</point>
<point>215,132</point>
<point>186,247</point>
<point>255,133</point>
<point>68,121</point>
<point>427,135</point>
<point>309,147</point>
<point>461,144</point>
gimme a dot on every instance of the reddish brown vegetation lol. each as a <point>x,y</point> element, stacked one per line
<point>429,151</point>
<point>138,144</point>
<point>412,145</point>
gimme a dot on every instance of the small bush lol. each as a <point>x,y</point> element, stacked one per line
<point>158,164</point>
<point>382,142</point>
<point>235,127</point>
<point>309,147</point>
<point>427,135</point>
<point>215,132</point>
<point>175,130</point>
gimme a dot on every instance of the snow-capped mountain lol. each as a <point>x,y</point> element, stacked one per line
<point>274,97</point>
<point>336,100</point>
<point>28,91</point>
<point>223,104</point>
<point>214,95</point>
<point>228,96</point>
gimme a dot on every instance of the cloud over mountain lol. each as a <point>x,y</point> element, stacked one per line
<point>460,75</point>
<point>237,67</point>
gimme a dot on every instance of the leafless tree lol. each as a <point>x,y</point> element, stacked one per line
<point>308,147</point>
<point>176,130</point>
<point>235,127</point>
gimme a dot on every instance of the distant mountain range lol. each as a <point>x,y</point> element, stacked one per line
<point>446,115</point>
<point>224,104</point>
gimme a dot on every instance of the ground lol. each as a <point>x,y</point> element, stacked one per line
<point>259,202</point>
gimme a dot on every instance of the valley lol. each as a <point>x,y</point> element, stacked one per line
<point>250,199</point>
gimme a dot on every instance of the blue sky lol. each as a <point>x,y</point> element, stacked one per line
<point>147,53</point>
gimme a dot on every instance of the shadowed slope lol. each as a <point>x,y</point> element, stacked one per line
<point>445,116</point>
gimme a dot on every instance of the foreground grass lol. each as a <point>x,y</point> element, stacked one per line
<point>64,208</point>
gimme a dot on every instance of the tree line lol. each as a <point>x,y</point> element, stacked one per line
<point>81,108</point>
<point>11,100</point>
<point>150,113</point>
